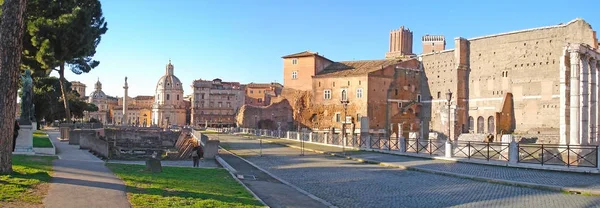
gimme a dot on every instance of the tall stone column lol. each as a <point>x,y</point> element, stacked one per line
<point>564,99</point>
<point>585,100</point>
<point>593,101</point>
<point>575,99</point>
<point>125,119</point>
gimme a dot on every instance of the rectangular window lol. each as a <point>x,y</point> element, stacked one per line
<point>251,91</point>
<point>294,61</point>
<point>295,75</point>
<point>359,93</point>
<point>327,94</point>
<point>399,104</point>
<point>439,94</point>
<point>228,104</point>
<point>220,104</point>
<point>418,98</point>
<point>338,117</point>
<point>259,100</point>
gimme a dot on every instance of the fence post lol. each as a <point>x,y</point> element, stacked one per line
<point>513,152</point>
<point>298,136</point>
<point>368,142</point>
<point>287,135</point>
<point>448,149</point>
<point>402,144</point>
<point>597,157</point>
<point>310,137</point>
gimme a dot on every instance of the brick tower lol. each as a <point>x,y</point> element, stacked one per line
<point>433,43</point>
<point>401,41</point>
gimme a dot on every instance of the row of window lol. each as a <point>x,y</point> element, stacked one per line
<point>344,92</point>
<point>211,104</point>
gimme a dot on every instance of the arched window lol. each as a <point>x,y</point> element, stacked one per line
<point>344,95</point>
<point>480,122</point>
<point>177,97</point>
<point>168,96</point>
<point>491,126</point>
<point>471,123</point>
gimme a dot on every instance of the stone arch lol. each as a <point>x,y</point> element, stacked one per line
<point>480,125</point>
<point>471,124</point>
<point>491,126</point>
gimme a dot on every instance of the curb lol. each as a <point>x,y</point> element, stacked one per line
<point>232,173</point>
<point>282,181</point>
<point>458,175</point>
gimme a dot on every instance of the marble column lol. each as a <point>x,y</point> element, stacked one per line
<point>595,65</point>
<point>575,99</point>
<point>125,119</point>
<point>593,101</point>
<point>585,100</point>
<point>564,99</point>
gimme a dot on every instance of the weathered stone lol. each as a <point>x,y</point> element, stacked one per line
<point>153,165</point>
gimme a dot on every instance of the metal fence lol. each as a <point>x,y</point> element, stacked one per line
<point>482,150</point>
<point>563,155</point>
<point>421,146</point>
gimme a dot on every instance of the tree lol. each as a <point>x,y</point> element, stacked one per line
<point>66,34</point>
<point>11,36</point>
<point>91,107</point>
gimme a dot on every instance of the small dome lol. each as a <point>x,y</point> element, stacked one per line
<point>97,94</point>
<point>169,81</point>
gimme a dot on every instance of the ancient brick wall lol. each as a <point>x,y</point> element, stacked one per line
<point>523,63</point>
<point>527,65</point>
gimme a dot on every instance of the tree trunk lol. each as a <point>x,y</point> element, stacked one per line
<point>11,46</point>
<point>61,80</point>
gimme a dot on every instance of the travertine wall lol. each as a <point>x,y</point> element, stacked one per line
<point>523,63</point>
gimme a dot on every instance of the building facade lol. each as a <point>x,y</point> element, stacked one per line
<point>215,103</point>
<point>79,88</point>
<point>260,94</point>
<point>539,81</point>
<point>169,107</point>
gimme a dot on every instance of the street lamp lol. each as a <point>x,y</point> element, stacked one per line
<point>345,104</point>
<point>449,98</point>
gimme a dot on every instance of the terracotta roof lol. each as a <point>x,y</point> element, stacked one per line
<point>350,68</point>
<point>301,54</point>
<point>144,97</point>
<point>263,85</point>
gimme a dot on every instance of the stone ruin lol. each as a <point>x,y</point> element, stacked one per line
<point>135,143</point>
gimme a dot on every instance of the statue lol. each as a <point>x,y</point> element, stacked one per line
<point>27,107</point>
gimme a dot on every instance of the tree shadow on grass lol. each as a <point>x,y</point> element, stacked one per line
<point>192,197</point>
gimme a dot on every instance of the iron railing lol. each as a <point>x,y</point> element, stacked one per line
<point>562,155</point>
<point>482,150</point>
<point>425,146</point>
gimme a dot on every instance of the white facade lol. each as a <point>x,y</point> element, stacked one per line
<point>98,98</point>
<point>169,106</point>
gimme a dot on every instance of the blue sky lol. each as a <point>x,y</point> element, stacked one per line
<point>243,41</point>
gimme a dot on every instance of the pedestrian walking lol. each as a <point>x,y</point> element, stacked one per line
<point>16,134</point>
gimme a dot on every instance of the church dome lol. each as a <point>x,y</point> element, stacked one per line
<point>98,93</point>
<point>169,81</point>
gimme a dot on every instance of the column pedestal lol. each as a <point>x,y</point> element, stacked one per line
<point>24,141</point>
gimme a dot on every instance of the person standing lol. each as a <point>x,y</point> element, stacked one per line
<point>196,156</point>
<point>16,134</point>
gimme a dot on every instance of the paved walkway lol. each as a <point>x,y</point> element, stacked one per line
<point>553,180</point>
<point>82,180</point>
<point>347,183</point>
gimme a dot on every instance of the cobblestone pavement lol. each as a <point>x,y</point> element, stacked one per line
<point>553,178</point>
<point>347,183</point>
<point>175,163</point>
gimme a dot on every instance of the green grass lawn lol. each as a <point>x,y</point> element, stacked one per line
<point>41,139</point>
<point>24,186</point>
<point>183,187</point>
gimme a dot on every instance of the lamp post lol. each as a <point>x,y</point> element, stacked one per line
<point>300,133</point>
<point>449,98</point>
<point>345,104</point>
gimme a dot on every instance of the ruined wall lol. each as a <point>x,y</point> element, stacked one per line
<point>141,137</point>
<point>526,64</point>
<point>481,71</point>
<point>440,75</point>
<point>284,109</point>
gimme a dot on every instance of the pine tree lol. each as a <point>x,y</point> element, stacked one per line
<point>11,36</point>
